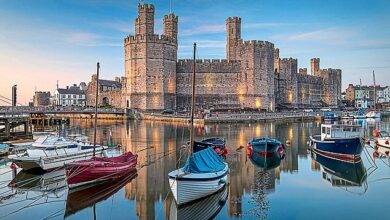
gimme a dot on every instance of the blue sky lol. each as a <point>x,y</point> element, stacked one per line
<point>43,41</point>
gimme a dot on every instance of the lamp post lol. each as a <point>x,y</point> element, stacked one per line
<point>13,102</point>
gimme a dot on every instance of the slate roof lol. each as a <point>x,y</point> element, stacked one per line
<point>73,90</point>
<point>111,83</point>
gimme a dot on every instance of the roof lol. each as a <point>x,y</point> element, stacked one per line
<point>111,83</point>
<point>74,90</point>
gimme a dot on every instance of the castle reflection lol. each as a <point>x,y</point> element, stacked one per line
<point>158,145</point>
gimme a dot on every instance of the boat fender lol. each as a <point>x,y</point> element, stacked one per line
<point>368,142</point>
<point>387,153</point>
<point>288,142</point>
<point>217,151</point>
<point>91,165</point>
<point>376,133</point>
<point>225,151</point>
<point>376,141</point>
<point>375,154</point>
<point>376,148</point>
<point>13,166</point>
<point>387,142</point>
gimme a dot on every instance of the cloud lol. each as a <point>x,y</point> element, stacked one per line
<point>330,34</point>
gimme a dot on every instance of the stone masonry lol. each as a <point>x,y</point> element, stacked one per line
<point>252,76</point>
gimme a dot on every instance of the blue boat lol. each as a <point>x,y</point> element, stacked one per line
<point>330,116</point>
<point>265,148</point>
<point>339,141</point>
<point>213,142</point>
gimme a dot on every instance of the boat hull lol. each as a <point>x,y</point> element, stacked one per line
<point>345,149</point>
<point>94,170</point>
<point>194,186</point>
<point>53,162</point>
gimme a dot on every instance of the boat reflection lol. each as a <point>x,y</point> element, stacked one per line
<point>47,182</point>
<point>81,198</point>
<point>206,208</point>
<point>341,173</point>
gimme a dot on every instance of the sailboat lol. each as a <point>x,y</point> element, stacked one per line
<point>99,169</point>
<point>374,113</point>
<point>204,172</point>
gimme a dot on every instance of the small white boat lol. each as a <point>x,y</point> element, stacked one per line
<point>204,173</point>
<point>4,149</point>
<point>383,141</point>
<point>51,152</point>
<point>373,114</point>
<point>188,184</point>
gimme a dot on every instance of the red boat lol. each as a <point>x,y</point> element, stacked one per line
<point>99,169</point>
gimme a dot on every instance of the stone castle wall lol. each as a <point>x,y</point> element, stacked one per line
<point>252,77</point>
<point>150,63</point>
<point>41,99</point>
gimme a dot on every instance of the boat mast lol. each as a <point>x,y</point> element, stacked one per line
<point>373,75</point>
<point>96,106</point>
<point>192,105</point>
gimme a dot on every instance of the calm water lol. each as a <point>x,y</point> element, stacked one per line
<point>303,186</point>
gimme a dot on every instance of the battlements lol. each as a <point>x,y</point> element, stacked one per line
<point>146,7</point>
<point>171,16</point>
<point>259,43</point>
<point>212,61</point>
<point>233,19</point>
<point>289,59</point>
<point>155,38</point>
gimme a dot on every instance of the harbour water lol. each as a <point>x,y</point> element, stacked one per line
<point>303,186</point>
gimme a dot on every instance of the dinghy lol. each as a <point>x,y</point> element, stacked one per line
<point>98,169</point>
<point>204,173</point>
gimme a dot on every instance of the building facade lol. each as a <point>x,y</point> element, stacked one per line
<point>41,99</point>
<point>110,92</point>
<point>251,77</point>
<point>69,96</point>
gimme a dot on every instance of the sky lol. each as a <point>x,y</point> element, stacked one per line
<point>43,41</point>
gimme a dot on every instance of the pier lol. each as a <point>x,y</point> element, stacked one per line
<point>15,127</point>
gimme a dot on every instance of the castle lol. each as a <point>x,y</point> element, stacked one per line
<point>251,77</point>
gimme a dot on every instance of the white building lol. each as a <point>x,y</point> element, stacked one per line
<point>71,96</point>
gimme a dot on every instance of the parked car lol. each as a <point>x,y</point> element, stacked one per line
<point>168,111</point>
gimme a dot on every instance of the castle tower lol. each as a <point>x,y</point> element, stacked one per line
<point>276,60</point>
<point>170,23</point>
<point>150,63</point>
<point>144,23</point>
<point>233,34</point>
<point>315,66</point>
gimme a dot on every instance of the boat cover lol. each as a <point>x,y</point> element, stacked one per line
<point>204,161</point>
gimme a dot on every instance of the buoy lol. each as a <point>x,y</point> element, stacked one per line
<point>375,154</point>
<point>387,142</point>
<point>217,151</point>
<point>225,151</point>
<point>375,133</point>
<point>13,166</point>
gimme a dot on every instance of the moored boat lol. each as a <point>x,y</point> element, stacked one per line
<point>99,169</point>
<point>216,143</point>
<point>339,141</point>
<point>265,147</point>
<point>51,152</point>
<point>266,160</point>
<point>204,172</point>
<point>4,149</point>
<point>373,114</point>
<point>383,143</point>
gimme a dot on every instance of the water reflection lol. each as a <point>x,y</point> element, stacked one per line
<point>341,173</point>
<point>255,190</point>
<point>206,208</point>
<point>79,199</point>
